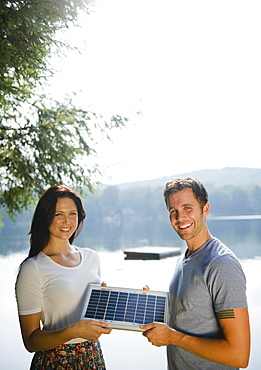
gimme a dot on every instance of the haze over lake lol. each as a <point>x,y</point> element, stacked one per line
<point>242,236</point>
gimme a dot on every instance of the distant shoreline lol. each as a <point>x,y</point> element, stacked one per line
<point>241,217</point>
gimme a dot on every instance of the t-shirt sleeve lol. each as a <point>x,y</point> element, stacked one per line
<point>28,289</point>
<point>99,266</point>
<point>227,284</point>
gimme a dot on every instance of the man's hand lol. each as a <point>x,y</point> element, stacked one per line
<point>157,333</point>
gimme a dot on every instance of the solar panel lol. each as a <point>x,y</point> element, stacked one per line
<point>125,308</point>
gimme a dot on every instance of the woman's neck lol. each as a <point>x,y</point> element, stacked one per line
<point>64,254</point>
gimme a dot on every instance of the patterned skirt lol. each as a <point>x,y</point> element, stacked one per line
<point>81,356</point>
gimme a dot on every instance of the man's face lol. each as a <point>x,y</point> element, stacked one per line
<point>186,216</point>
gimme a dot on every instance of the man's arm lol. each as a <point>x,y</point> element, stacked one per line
<point>231,350</point>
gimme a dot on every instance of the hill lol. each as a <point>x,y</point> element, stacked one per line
<point>236,176</point>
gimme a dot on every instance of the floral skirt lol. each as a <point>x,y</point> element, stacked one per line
<point>81,356</point>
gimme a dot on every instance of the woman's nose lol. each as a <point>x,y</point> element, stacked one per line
<point>66,219</point>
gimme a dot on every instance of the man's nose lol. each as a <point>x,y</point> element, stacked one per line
<point>180,216</point>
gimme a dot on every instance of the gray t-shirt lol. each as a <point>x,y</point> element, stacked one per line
<point>209,281</point>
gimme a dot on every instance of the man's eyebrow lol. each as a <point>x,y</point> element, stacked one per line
<point>183,205</point>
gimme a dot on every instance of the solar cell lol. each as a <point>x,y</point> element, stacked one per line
<point>125,308</point>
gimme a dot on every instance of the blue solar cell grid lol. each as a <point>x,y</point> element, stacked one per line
<point>128,307</point>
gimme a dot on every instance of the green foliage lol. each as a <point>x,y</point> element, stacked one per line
<point>27,36</point>
<point>48,149</point>
<point>42,143</point>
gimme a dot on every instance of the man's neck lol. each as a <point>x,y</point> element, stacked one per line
<point>196,243</point>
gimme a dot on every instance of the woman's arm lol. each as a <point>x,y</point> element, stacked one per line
<point>36,339</point>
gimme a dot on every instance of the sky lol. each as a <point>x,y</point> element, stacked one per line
<point>192,68</point>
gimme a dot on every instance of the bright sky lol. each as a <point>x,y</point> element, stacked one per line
<point>193,68</point>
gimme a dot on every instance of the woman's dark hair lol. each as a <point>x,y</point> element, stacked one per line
<point>44,214</point>
<point>179,184</point>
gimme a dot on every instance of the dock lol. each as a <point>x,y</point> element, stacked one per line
<point>151,253</point>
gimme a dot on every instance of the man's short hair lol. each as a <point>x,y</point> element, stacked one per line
<point>178,184</point>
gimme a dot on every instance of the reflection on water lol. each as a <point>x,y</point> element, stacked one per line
<point>118,345</point>
<point>242,236</point>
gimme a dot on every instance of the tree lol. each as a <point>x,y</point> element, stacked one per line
<point>42,142</point>
<point>27,38</point>
<point>49,149</point>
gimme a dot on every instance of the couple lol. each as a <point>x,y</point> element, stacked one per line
<point>208,324</point>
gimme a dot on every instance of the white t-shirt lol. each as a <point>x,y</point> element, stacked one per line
<point>57,291</point>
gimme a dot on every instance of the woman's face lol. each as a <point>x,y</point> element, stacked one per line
<point>65,219</point>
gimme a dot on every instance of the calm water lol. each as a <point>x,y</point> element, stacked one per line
<point>243,237</point>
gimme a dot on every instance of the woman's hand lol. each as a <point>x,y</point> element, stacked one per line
<point>90,329</point>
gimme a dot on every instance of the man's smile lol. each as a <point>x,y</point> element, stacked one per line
<point>185,226</point>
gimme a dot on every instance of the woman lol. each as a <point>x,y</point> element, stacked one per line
<point>51,287</point>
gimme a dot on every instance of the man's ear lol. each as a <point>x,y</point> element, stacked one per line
<point>206,209</point>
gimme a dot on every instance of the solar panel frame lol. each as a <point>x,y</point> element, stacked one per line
<point>125,308</point>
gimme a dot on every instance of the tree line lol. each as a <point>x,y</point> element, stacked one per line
<point>139,203</point>
<point>127,217</point>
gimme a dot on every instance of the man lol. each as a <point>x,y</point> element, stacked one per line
<point>208,324</point>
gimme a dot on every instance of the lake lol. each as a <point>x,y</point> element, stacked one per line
<point>124,350</point>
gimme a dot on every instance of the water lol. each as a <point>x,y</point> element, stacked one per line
<point>124,350</point>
